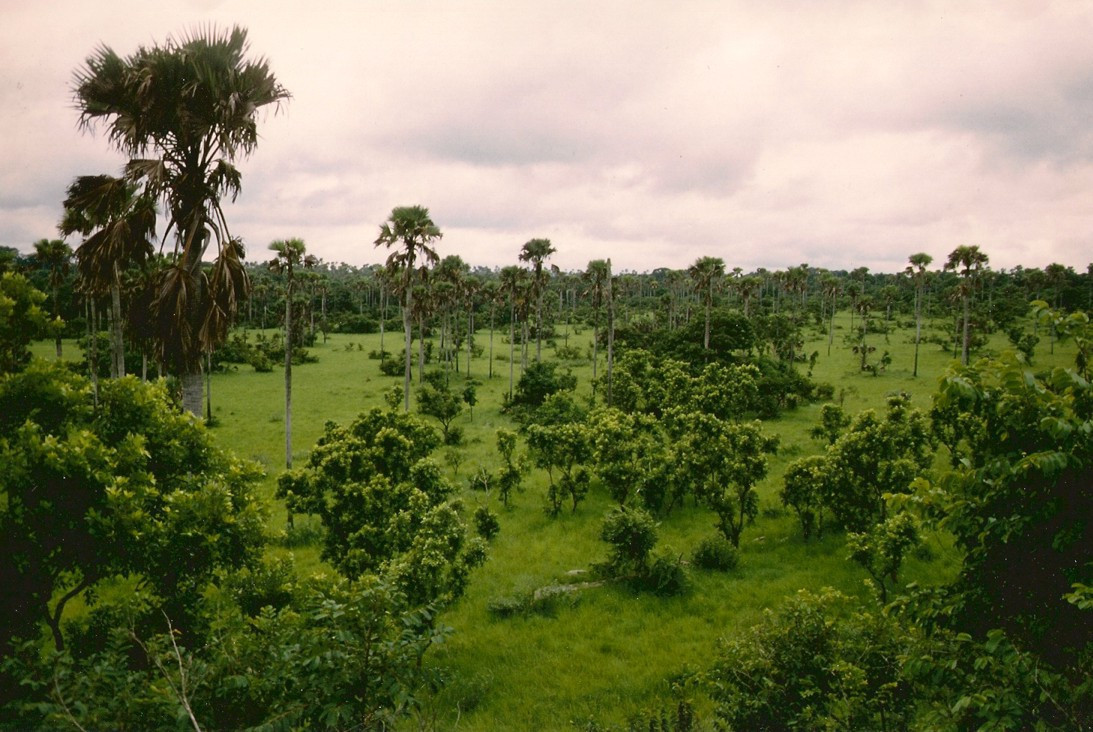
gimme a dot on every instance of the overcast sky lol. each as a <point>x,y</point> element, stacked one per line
<point>769,134</point>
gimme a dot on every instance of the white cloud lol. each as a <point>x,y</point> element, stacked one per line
<point>839,134</point>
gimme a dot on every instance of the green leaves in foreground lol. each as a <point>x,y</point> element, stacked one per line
<point>385,506</point>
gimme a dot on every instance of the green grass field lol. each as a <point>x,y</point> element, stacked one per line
<point>607,653</point>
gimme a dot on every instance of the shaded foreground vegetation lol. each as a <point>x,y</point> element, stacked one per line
<point>982,603</point>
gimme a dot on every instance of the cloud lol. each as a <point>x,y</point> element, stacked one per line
<point>841,134</point>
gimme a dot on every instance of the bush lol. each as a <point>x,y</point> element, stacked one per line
<point>355,324</point>
<point>393,366</point>
<point>716,553</point>
<point>486,523</point>
<point>632,533</point>
<point>539,381</point>
<point>666,576</point>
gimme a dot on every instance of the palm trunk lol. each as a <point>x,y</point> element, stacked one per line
<point>208,388</point>
<point>610,335</point>
<point>93,351</point>
<point>595,347</point>
<point>288,375</point>
<point>406,327</point>
<point>918,327</point>
<point>491,341</point>
<point>512,346</point>
<point>470,336</point>
<point>57,314</point>
<point>193,390</point>
<point>117,337</point>
<point>420,349</point>
<point>967,331</point>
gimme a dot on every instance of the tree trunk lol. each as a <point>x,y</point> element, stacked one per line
<point>512,346</point>
<point>193,390</point>
<point>57,314</point>
<point>967,331</point>
<point>406,327</point>
<point>918,326</point>
<point>208,388</point>
<point>288,376</point>
<point>610,335</point>
<point>117,337</point>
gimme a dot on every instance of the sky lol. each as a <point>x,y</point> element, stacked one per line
<point>838,134</point>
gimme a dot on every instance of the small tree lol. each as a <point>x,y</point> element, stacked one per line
<point>565,448</point>
<point>385,506</point>
<point>436,399</point>
<point>803,491</point>
<point>881,550</point>
<point>21,320</point>
<point>510,477</point>
<point>632,534</point>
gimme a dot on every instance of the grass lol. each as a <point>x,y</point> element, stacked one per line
<point>608,653</point>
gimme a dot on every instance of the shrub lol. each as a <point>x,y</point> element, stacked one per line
<point>716,553</point>
<point>632,533</point>
<point>666,576</point>
<point>486,523</point>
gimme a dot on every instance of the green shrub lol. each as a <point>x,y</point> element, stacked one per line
<point>666,576</point>
<point>716,553</point>
<point>486,523</point>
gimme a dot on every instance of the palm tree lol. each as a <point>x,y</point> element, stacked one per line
<point>119,226</point>
<point>536,251</point>
<point>183,112</point>
<point>56,256</point>
<point>410,228</point>
<point>968,262</point>
<point>598,277</point>
<point>706,273</point>
<point>511,279</point>
<point>289,254</point>
<point>917,271</point>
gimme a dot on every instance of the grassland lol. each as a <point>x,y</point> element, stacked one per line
<point>606,653</point>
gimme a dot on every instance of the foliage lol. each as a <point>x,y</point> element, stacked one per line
<point>563,448</point>
<point>722,461</point>
<point>344,655</point>
<point>540,380</point>
<point>632,534</point>
<point>873,458</point>
<point>881,550</point>
<point>128,487</point>
<point>486,523</point>
<point>1018,503</point>
<point>665,576</point>
<point>385,506</point>
<point>809,665</point>
<point>21,320</point>
<point>183,112</point>
<point>510,477</point>
<point>804,489</point>
<point>716,553</point>
<point>833,422</point>
<point>627,455</point>
<point>436,399</point>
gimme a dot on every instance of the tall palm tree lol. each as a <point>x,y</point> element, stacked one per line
<point>289,255</point>
<point>119,225</point>
<point>536,251</point>
<point>968,262</point>
<point>56,256</point>
<point>410,228</point>
<point>917,271</point>
<point>598,277</point>
<point>707,273</point>
<point>183,112</point>
<point>511,285</point>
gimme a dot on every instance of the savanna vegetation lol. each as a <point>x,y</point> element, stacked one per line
<point>683,499</point>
